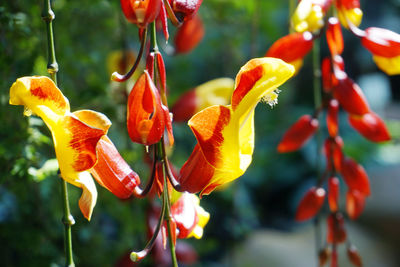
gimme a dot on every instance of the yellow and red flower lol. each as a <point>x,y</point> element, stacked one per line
<point>349,11</point>
<point>141,12</point>
<point>309,15</point>
<point>80,141</point>
<point>225,134</point>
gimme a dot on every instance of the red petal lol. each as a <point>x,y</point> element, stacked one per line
<point>371,126</point>
<point>291,47</point>
<point>336,232</point>
<point>355,176</point>
<point>310,204</point>
<point>161,70</point>
<point>112,172</point>
<point>164,21</point>
<point>196,173</point>
<point>323,256</point>
<point>298,134</point>
<point>351,97</point>
<point>333,193</point>
<point>348,4</point>
<point>150,64</point>
<point>146,117</point>
<point>185,107</point>
<point>141,12</point>
<point>207,126</point>
<point>332,117</point>
<point>334,36</point>
<point>381,42</point>
<point>189,35</point>
<point>355,202</point>
<point>354,256</point>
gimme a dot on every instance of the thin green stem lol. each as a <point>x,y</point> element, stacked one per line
<point>52,68</point>
<point>163,158</point>
<point>292,7</point>
<point>317,106</point>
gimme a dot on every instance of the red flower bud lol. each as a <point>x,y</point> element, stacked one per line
<point>350,96</point>
<point>185,9</point>
<point>323,256</point>
<point>381,42</point>
<point>332,117</point>
<point>147,117</point>
<point>333,152</point>
<point>329,79</point>
<point>298,134</point>
<point>310,204</point>
<point>355,176</point>
<point>333,193</point>
<point>334,36</point>
<point>348,4</point>
<point>371,126</point>
<point>354,256</point>
<point>141,12</point>
<point>355,202</point>
<point>112,172</point>
<point>291,47</point>
<point>336,232</point>
<point>189,35</point>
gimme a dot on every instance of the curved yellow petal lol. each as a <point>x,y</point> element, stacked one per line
<point>307,17</point>
<point>353,15</point>
<point>88,198</point>
<point>214,92</point>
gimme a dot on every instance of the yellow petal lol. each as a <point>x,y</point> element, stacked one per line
<point>214,92</point>
<point>391,66</point>
<point>89,194</point>
<point>354,15</point>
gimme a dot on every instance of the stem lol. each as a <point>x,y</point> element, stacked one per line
<point>167,217</point>
<point>292,7</point>
<point>52,68</point>
<point>317,105</point>
<point>163,158</point>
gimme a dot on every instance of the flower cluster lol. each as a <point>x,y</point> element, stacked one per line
<point>308,20</point>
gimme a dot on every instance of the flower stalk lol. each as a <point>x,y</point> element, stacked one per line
<point>52,68</point>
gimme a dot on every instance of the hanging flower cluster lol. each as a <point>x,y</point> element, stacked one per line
<point>308,20</point>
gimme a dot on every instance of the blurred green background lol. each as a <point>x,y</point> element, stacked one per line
<point>252,220</point>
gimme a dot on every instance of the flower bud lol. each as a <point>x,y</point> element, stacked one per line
<point>336,233</point>
<point>351,97</point>
<point>298,134</point>
<point>141,12</point>
<point>371,126</point>
<point>185,9</point>
<point>323,256</point>
<point>333,152</point>
<point>332,117</point>
<point>349,10</point>
<point>334,36</point>
<point>355,202</point>
<point>355,176</point>
<point>354,256</point>
<point>381,42</point>
<point>333,193</point>
<point>310,204</point>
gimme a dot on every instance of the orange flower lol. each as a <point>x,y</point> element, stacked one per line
<point>189,35</point>
<point>310,204</point>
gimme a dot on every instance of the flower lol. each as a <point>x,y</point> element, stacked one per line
<point>147,116</point>
<point>76,138</point>
<point>214,92</point>
<point>225,134</point>
<point>185,9</point>
<point>349,11</point>
<point>141,12</point>
<point>309,15</point>
<point>292,48</point>
<point>190,218</point>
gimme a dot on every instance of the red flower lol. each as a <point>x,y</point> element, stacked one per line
<point>355,202</point>
<point>141,12</point>
<point>332,117</point>
<point>333,193</point>
<point>350,96</point>
<point>147,117</point>
<point>298,134</point>
<point>355,176</point>
<point>310,204</point>
<point>334,36</point>
<point>371,126</point>
<point>336,232</point>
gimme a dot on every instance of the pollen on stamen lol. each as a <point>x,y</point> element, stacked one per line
<point>271,98</point>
